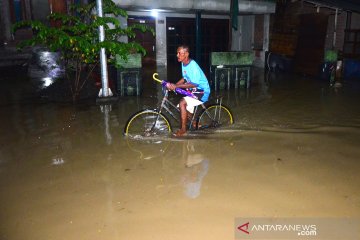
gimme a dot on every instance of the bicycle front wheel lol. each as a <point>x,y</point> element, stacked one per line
<point>215,116</point>
<point>147,123</point>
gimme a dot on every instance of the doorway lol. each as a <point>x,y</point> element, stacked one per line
<point>214,38</point>
<point>311,42</point>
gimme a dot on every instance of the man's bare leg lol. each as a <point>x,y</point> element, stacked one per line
<point>183,118</point>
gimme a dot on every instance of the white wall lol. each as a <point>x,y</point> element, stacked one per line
<point>247,32</point>
<point>161,56</point>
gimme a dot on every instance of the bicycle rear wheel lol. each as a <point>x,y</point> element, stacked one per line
<point>215,116</point>
<point>147,123</point>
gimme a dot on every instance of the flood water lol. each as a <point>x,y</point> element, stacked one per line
<point>67,172</point>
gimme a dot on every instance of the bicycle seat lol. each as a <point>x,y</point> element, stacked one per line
<point>219,96</point>
<point>218,99</point>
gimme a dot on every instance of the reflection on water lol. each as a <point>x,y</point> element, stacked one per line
<point>198,167</point>
<point>68,172</point>
<point>106,109</point>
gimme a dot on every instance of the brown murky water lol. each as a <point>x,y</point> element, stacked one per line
<point>68,173</point>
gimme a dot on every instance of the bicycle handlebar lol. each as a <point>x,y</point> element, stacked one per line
<point>178,90</point>
<point>156,79</point>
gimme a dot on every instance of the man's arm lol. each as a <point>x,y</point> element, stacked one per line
<point>181,81</point>
<point>180,84</point>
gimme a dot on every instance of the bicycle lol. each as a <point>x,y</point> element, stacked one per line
<point>155,122</point>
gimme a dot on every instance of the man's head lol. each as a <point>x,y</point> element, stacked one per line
<point>183,54</point>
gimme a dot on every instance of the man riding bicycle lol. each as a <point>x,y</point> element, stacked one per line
<point>194,80</point>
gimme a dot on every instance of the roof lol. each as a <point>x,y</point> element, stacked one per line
<point>347,5</point>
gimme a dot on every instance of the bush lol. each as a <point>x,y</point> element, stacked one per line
<point>76,37</point>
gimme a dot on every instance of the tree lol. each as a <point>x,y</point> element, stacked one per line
<point>76,37</point>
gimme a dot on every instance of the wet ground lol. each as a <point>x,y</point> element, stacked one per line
<point>66,172</point>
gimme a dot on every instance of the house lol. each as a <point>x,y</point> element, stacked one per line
<point>281,27</point>
<point>204,25</point>
<point>302,32</point>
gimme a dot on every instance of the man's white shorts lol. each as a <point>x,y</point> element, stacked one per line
<point>191,103</point>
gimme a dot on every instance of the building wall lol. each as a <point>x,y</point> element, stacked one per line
<point>161,56</point>
<point>247,36</point>
<point>261,39</point>
<point>258,31</point>
<point>339,33</point>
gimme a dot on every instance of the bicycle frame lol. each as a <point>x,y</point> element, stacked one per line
<point>166,105</point>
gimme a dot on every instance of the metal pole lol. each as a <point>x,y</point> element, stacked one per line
<point>335,26</point>
<point>198,38</point>
<point>103,60</point>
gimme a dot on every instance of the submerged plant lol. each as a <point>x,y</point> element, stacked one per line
<point>76,37</point>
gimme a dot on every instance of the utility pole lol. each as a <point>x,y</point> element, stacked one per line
<point>103,60</point>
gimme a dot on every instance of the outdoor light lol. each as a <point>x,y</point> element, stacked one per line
<point>154,12</point>
<point>47,81</point>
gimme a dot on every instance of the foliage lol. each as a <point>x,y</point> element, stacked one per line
<point>76,37</point>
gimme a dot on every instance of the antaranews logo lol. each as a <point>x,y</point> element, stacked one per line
<point>300,229</point>
<point>244,228</point>
<point>296,228</point>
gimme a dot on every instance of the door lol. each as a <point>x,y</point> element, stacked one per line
<point>146,39</point>
<point>309,53</point>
